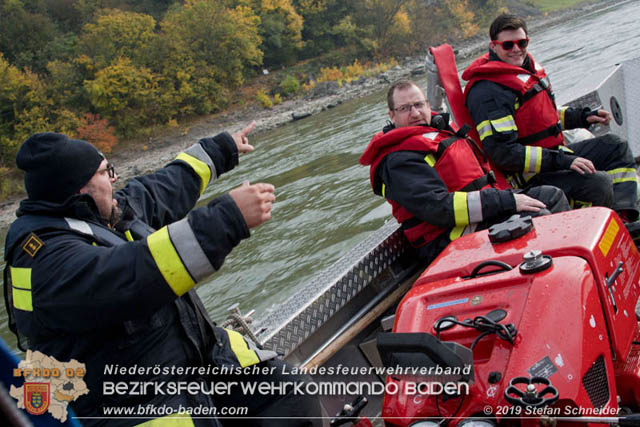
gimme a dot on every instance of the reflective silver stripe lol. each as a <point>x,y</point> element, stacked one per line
<point>199,153</point>
<point>523,77</point>
<point>533,159</point>
<point>469,229</point>
<point>189,250</point>
<point>475,207</point>
<point>77,225</point>
<point>460,231</point>
<point>484,129</point>
<point>504,124</point>
<point>430,135</point>
<point>263,355</point>
<point>623,175</point>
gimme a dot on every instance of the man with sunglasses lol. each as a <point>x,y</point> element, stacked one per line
<point>108,280</point>
<point>436,181</point>
<point>512,105</point>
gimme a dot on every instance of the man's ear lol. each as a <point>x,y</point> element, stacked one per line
<point>391,115</point>
<point>492,46</point>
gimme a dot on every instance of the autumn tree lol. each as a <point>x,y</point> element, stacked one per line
<point>465,23</point>
<point>97,131</point>
<point>23,108</point>
<point>280,29</point>
<point>207,48</point>
<point>24,34</point>
<point>329,27</point>
<point>124,93</point>
<point>117,34</point>
<point>380,17</point>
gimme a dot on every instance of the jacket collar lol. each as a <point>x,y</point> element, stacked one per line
<point>79,206</point>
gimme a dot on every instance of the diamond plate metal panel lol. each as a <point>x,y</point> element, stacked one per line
<point>332,289</point>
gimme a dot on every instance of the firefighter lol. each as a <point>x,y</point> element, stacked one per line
<point>108,280</point>
<point>512,105</point>
<point>438,184</point>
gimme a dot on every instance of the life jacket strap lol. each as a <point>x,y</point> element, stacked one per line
<point>538,136</point>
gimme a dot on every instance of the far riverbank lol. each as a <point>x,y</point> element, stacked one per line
<point>162,149</point>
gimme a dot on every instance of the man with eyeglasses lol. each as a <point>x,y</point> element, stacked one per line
<point>512,105</point>
<point>438,182</point>
<point>108,280</point>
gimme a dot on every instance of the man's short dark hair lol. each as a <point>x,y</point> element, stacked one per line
<point>399,85</point>
<point>506,22</point>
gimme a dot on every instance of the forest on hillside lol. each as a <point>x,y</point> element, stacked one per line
<point>101,70</point>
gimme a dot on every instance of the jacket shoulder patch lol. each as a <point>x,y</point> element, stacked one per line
<point>32,245</point>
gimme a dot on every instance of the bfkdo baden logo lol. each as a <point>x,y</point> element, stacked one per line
<point>49,385</point>
<point>36,397</point>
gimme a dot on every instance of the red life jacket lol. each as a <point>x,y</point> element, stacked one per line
<point>455,162</point>
<point>536,116</point>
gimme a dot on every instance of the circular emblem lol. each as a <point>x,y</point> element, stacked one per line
<point>476,300</point>
<point>616,110</point>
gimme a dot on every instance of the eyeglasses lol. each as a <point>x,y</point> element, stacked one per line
<point>407,107</point>
<point>110,170</point>
<point>509,44</point>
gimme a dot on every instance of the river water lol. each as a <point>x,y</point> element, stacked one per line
<point>324,201</point>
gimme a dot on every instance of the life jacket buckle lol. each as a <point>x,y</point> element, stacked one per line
<point>545,83</point>
<point>491,178</point>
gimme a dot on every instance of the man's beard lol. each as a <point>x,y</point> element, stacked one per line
<point>115,216</point>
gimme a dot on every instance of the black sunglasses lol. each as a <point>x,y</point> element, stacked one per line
<point>509,44</point>
<point>111,170</point>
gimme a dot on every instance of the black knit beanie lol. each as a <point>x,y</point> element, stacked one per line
<point>56,166</point>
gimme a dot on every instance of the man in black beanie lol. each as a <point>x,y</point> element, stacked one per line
<point>89,278</point>
<point>55,166</point>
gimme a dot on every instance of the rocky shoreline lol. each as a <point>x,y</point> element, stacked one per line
<point>162,149</point>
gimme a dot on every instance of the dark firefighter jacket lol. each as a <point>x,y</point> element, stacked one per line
<point>434,183</point>
<point>516,116</point>
<point>79,290</point>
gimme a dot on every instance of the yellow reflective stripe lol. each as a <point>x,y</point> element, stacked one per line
<point>579,204</point>
<point>430,159</point>
<point>181,419</point>
<point>21,288</point>
<point>456,232</point>
<point>504,124</point>
<point>20,277</point>
<point>484,129</point>
<point>200,167</point>
<point>461,214</point>
<point>562,111</point>
<point>623,175</point>
<point>383,189</point>
<point>565,149</point>
<point>532,159</point>
<point>168,262</point>
<point>243,353</point>
<point>517,105</point>
<point>128,235</point>
<point>462,230</point>
<point>22,299</point>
